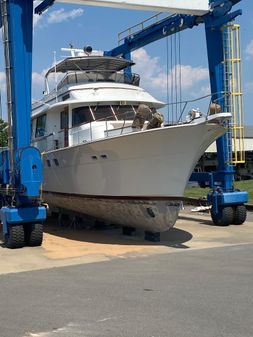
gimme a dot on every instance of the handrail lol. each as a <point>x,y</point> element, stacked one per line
<point>185,103</point>
<point>90,128</point>
<point>142,25</point>
<point>120,118</point>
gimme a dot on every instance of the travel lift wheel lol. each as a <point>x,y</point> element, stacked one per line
<point>240,214</point>
<point>16,237</point>
<point>230,215</point>
<point>225,216</point>
<point>33,234</point>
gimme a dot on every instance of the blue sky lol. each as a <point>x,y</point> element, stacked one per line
<point>81,25</point>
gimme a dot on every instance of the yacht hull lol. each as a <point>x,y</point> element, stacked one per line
<point>154,215</point>
<point>135,179</point>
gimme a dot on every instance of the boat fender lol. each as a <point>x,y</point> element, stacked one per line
<point>214,108</point>
<point>156,121</point>
<point>141,115</point>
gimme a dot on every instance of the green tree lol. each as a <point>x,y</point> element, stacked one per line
<point>3,133</point>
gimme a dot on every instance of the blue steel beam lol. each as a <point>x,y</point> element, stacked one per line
<point>214,40</point>
<point>21,168</point>
<point>175,24</point>
<point>43,6</point>
<point>157,31</point>
<point>20,26</point>
<point>25,162</point>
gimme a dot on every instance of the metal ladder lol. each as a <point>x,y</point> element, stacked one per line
<point>233,90</point>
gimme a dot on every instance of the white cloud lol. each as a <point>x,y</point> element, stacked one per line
<point>57,16</point>
<point>156,78</point>
<point>205,90</point>
<point>38,79</point>
<point>249,49</point>
<point>61,15</point>
<point>36,19</point>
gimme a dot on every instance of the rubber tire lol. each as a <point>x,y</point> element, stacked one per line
<point>16,237</point>
<point>227,216</point>
<point>240,215</point>
<point>34,234</point>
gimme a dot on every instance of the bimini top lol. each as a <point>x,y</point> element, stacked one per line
<point>91,63</point>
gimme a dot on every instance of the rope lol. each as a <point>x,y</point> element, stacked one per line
<point>180,72</point>
<point>175,70</point>
<point>167,75</point>
<point>172,78</point>
<point>174,86</point>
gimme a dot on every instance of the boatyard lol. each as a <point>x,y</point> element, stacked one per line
<point>92,144</point>
<point>126,199</point>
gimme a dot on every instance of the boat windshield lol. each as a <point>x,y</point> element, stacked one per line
<point>87,114</point>
<point>81,115</point>
<point>103,111</point>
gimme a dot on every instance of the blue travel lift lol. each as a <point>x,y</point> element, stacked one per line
<point>228,204</point>
<point>22,213</point>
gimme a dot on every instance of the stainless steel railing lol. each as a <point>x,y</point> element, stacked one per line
<point>85,133</point>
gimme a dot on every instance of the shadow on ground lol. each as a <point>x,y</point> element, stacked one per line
<point>207,222</point>
<point>112,235</point>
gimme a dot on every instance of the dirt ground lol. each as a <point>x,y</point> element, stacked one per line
<point>64,246</point>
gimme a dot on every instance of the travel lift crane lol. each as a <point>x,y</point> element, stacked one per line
<point>21,169</point>
<point>228,204</point>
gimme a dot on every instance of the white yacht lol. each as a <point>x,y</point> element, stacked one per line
<point>104,155</point>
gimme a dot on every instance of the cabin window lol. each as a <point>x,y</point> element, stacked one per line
<point>40,126</point>
<point>81,115</point>
<point>64,119</point>
<point>103,111</point>
<point>125,112</point>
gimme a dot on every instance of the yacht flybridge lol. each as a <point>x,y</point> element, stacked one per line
<point>107,151</point>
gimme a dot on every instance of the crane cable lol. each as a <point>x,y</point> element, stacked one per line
<point>174,77</point>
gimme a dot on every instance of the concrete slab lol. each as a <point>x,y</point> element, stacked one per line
<point>65,247</point>
<point>197,293</point>
<point>196,283</point>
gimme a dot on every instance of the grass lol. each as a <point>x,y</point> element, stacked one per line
<point>197,192</point>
